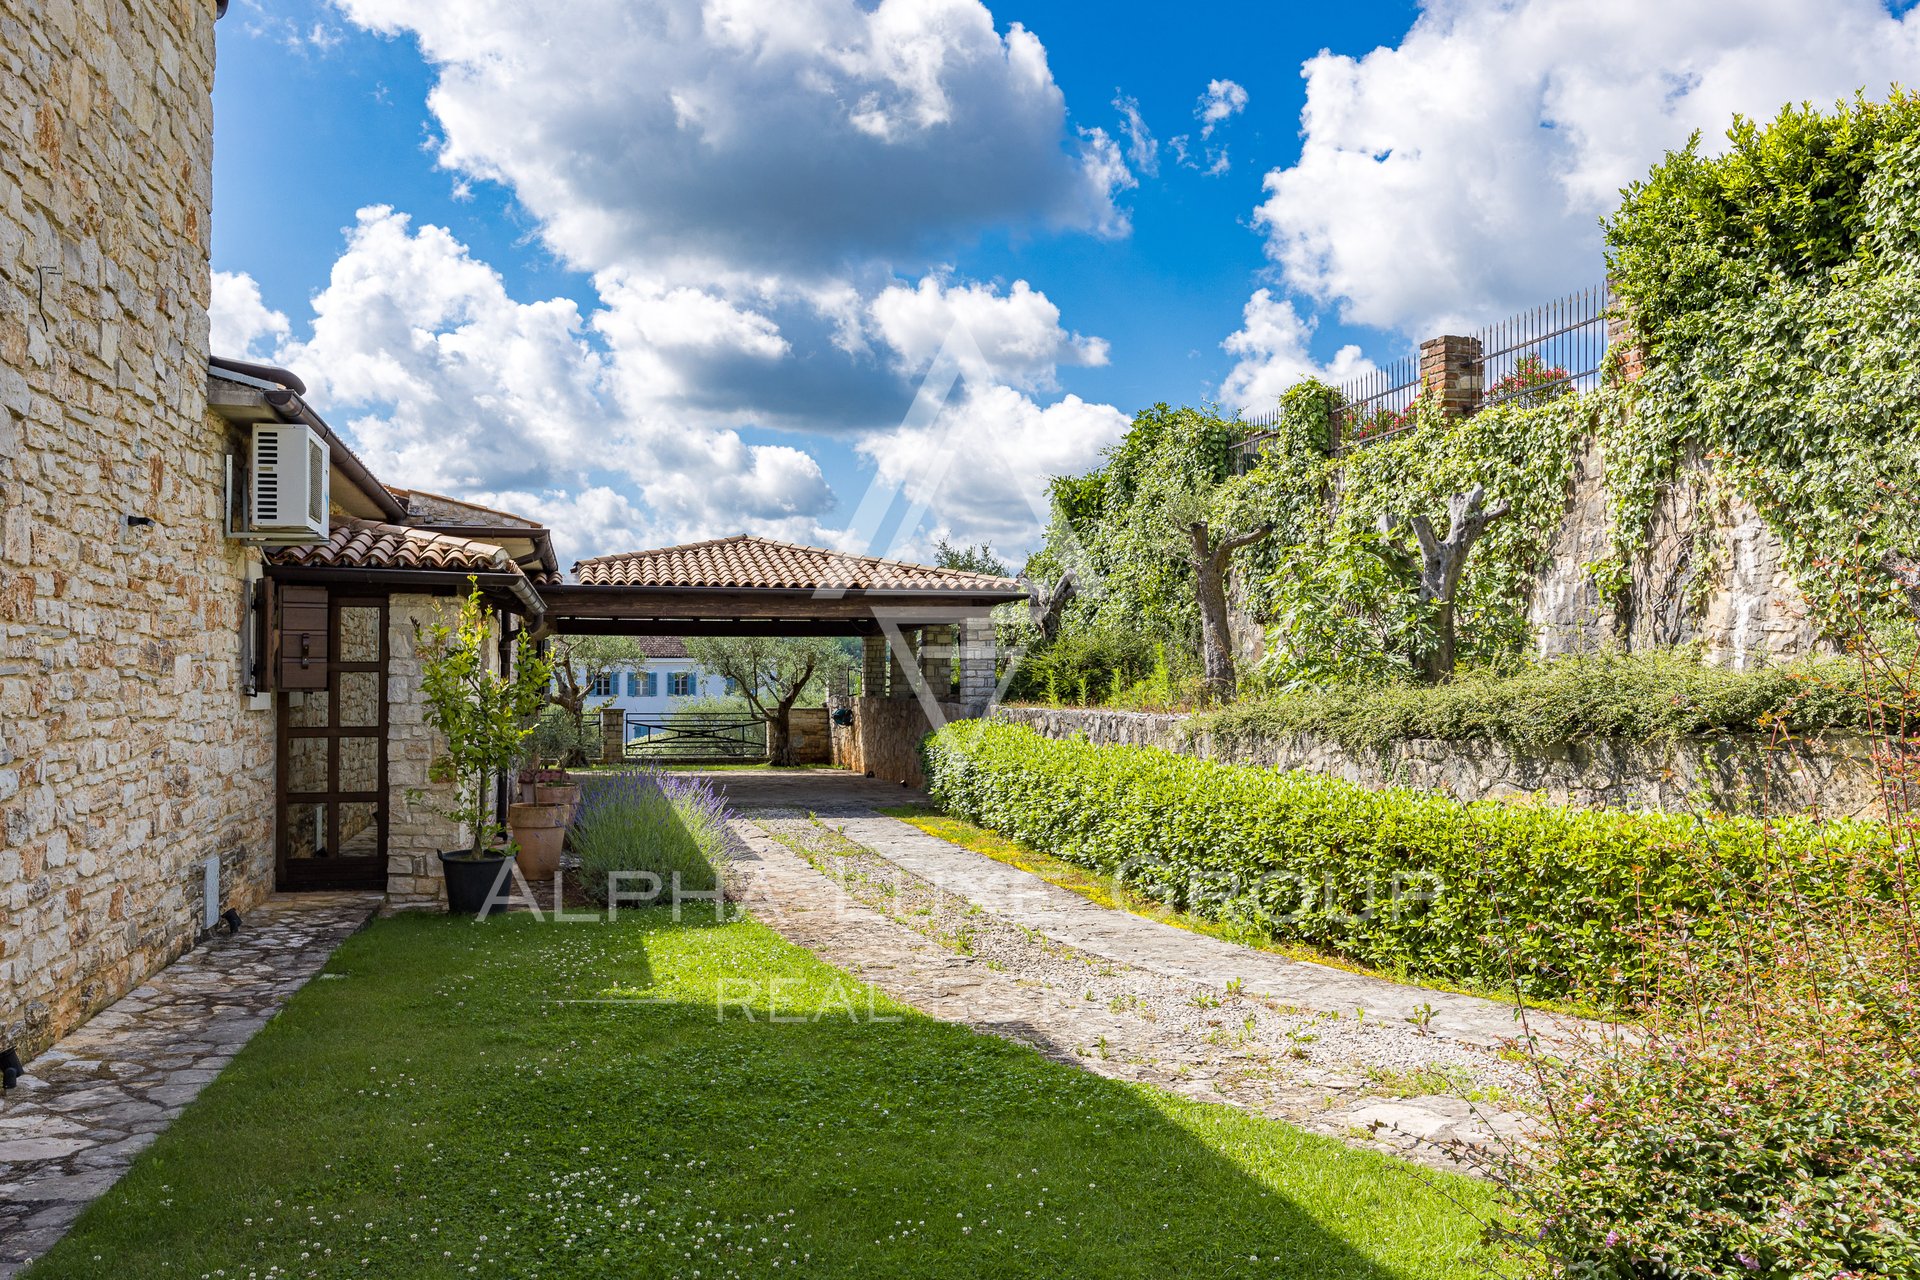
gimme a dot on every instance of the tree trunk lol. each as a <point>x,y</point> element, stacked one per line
<point>780,737</point>
<point>1210,561</point>
<point>1438,568</point>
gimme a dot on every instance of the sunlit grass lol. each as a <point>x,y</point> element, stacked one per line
<point>541,1100</point>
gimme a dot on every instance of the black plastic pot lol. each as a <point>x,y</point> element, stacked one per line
<point>471,880</point>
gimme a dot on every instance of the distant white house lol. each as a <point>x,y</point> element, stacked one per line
<point>670,679</point>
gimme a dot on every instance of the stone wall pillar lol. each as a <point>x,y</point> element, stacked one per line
<point>977,677</point>
<point>873,667</point>
<point>898,684</point>
<point>936,660</point>
<point>1451,373</point>
<point>613,735</point>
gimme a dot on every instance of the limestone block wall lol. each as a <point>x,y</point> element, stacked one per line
<point>417,828</point>
<point>1713,573</point>
<point>811,735</point>
<point>887,735</point>
<point>1729,773</point>
<point>128,753</point>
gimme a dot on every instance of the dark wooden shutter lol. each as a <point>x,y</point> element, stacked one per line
<point>303,633</point>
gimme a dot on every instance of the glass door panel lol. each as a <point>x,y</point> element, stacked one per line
<point>333,760</point>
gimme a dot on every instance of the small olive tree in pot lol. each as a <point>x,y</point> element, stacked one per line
<point>485,716</point>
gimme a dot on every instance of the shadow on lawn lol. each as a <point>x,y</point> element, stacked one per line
<point>568,1101</point>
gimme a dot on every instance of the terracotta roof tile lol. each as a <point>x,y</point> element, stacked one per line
<point>745,561</point>
<point>369,544</point>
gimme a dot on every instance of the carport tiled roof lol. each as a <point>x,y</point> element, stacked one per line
<point>369,544</point>
<point>747,562</point>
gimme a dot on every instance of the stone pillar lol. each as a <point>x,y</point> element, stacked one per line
<point>936,660</point>
<point>1451,374</point>
<point>977,678</point>
<point>873,667</point>
<point>613,735</point>
<point>898,685</point>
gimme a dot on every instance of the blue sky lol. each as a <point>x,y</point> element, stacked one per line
<point>697,257</point>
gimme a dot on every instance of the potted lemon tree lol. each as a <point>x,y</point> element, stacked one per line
<point>484,716</point>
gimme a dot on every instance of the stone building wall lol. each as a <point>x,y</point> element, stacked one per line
<point>417,830</point>
<point>1730,773</point>
<point>129,753</point>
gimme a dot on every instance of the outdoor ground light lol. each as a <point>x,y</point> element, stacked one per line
<point>10,1068</point>
<point>232,919</point>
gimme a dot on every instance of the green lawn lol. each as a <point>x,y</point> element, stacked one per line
<point>520,1099</point>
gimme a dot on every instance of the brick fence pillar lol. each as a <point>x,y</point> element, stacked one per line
<point>1620,337</point>
<point>613,735</point>
<point>1451,374</point>
<point>977,677</point>
<point>873,667</point>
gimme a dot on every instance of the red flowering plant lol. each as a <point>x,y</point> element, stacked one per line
<point>1532,382</point>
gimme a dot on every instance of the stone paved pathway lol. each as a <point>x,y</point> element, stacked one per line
<point>993,988</point>
<point>98,1098</point>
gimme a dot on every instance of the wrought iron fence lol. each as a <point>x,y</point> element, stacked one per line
<point>1377,404</point>
<point>695,735</point>
<point>1528,358</point>
<point>1546,352</point>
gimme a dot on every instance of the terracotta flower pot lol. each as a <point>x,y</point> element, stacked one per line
<point>566,793</point>
<point>539,830</point>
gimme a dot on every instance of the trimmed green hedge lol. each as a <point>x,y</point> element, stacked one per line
<point>1656,696</point>
<point>1484,893</point>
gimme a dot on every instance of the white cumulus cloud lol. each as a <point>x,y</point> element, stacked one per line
<point>984,463</point>
<point>784,135</point>
<point>1459,175</point>
<point>1273,344</point>
<point>243,326</point>
<point>446,382</point>
<point>1013,338</point>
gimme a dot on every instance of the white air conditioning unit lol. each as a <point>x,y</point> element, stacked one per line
<point>288,498</point>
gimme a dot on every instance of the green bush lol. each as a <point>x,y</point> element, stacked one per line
<point>1485,893</point>
<point>1657,696</point>
<point>638,823</point>
<point>1086,665</point>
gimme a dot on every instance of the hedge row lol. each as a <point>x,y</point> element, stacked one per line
<point>1657,696</point>
<point>1487,893</point>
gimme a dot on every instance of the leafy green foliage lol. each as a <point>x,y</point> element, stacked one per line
<point>1776,291</point>
<point>1085,666</point>
<point>1337,613</point>
<point>1484,893</point>
<point>1641,697</point>
<point>1123,528</point>
<point>970,559</point>
<point>483,716</point>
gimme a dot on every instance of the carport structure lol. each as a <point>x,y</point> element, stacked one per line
<point>927,633</point>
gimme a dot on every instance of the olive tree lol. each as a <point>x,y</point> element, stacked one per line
<point>771,674</point>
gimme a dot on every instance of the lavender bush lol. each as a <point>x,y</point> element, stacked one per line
<point>641,820</point>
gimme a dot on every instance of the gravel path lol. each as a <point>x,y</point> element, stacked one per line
<point>1444,1097</point>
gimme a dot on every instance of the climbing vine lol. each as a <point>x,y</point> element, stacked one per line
<point>1337,614</point>
<point>1775,293</point>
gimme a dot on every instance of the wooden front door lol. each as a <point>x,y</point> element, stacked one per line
<point>333,759</point>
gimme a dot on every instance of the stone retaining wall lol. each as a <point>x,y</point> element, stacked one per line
<point>130,753</point>
<point>1730,773</point>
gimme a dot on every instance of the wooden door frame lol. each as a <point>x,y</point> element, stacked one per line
<point>332,873</point>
